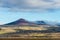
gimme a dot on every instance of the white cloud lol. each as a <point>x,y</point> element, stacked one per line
<point>31,5</point>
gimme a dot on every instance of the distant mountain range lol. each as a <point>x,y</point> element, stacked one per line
<point>58,24</point>
<point>25,22</point>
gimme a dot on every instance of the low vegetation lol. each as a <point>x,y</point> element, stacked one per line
<point>3,31</point>
<point>16,32</point>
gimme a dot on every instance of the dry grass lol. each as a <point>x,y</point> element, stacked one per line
<point>32,28</point>
<point>36,35</point>
<point>7,30</point>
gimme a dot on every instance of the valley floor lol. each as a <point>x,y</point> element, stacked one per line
<point>30,33</point>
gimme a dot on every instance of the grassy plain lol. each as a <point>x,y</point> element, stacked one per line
<point>29,35</point>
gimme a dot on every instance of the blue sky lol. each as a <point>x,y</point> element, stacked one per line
<point>32,10</point>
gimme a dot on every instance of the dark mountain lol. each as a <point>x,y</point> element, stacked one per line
<point>21,22</point>
<point>25,22</point>
<point>58,24</point>
<point>40,23</point>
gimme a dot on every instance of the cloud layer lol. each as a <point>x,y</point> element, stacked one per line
<point>31,5</point>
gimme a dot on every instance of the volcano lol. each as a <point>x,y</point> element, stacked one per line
<point>21,22</point>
